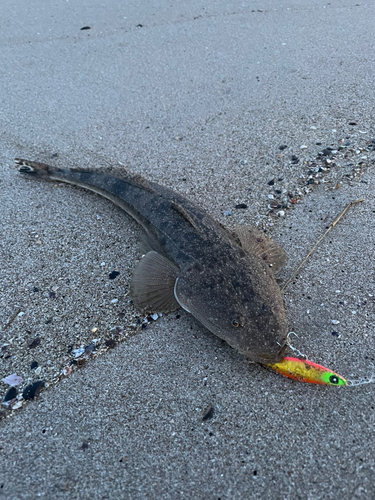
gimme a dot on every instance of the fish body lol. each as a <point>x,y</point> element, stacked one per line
<point>224,279</point>
<point>307,371</point>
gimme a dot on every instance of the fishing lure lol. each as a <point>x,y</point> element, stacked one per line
<point>307,371</point>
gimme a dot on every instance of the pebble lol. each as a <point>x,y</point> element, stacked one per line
<point>227,212</point>
<point>282,147</point>
<point>32,390</point>
<point>11,394</point>
<point>38,370</point>
<point>33,343</point>
<point>241,205</point>
<point>113,275</point>
<point>303,147</point>
<point>271,182</point>
<point>335,322</point>
<point>34,365</point>
<point>114,301</point>
<point>312,127</point>
<point>208,413</point>
<point>281,213</point>
<point>154,316</point>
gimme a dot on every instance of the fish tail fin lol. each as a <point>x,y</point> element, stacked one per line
<point>34,167</point>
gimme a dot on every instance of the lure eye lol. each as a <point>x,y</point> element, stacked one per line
<point>235,323</point>
<point>333,379</point>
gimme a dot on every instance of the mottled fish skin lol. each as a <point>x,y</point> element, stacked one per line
<point>228,289</point>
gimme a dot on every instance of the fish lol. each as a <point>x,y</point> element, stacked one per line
<point>307,371</point>
<point>224,278</point>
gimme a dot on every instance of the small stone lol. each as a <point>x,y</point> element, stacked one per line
<point>89,350</point>
<point>294,159</point>
<point>110,343</point>
<point>154,316</point>
<point>102,264</point>
<point>282,147</point>
<point>38,370</point>
<point>208,413</point>
<point>11,394</point>
<point>352,123</point>
<point>94,330</point>
<point>34,365</point>
<point>303,147</point>
<point>326,152</point>
<point>313,127</point>
<point>271,182</point>
<point>227,213</point>
<point>85,445</point>
<point>335,322</point>
<point>32,390</point>
<point>117,331</point>
<point>113,275</point>
<point>17,405</point>
<point>114,301</point>
<point>281,213</point>
<point>241,205</point>
<point>33,343</point>
<point>85,28</point>
<point>336,334</point>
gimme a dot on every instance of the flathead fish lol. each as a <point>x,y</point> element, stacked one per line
<point>224,279</point>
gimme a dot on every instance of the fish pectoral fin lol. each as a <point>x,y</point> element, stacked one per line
<point>256,242</point>
<point>152,286</point>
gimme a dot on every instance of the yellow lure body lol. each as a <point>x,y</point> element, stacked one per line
<point>307,371</point>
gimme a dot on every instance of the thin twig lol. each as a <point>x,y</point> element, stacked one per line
<point>320,239</point>
<point>12,318</point>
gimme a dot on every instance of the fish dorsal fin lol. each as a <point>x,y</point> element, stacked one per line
<point>256,242</point>
<point>152,286</point>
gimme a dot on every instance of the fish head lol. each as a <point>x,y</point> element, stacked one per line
<point>241,303</point>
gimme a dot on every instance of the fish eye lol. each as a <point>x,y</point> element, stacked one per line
<point>333,379</point>
<point>235,323</point>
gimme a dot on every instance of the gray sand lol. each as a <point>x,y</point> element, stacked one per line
<point>199,98</point>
